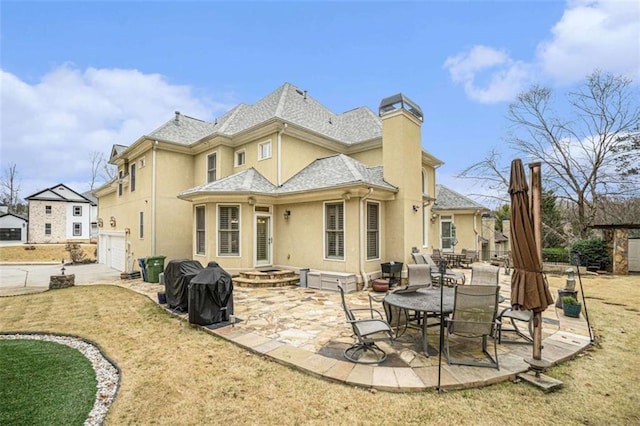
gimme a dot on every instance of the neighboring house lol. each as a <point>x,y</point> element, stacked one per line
<point>13,228</point>
<point>495,244</point>
<point>458,220</point>
<point>60,215</point>
<point>283,182</point>
<point>93,212</point>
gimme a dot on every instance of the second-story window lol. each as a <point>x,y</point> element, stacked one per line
<point>133,177</point>
<point>264,150</point>
<point>47,209</point>
<point>212,163</point>
<point>77,210</point>
<point>240,158</point>
<point>120,176</point>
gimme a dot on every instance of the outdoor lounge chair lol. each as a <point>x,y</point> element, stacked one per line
<point>367,331</point>
<point>474,316</point>
<point>484,275</point>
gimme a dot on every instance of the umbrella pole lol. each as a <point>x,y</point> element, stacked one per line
<point>443,270</point>
<point>536,210</point>
<point>584,301</point>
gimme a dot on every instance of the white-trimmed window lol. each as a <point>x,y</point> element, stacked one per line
<point>120,177</point>
<point>77,210</point>
<point>141,225</point>
<point>212,165</point>
<point>47,209</point>
<point>47,229</point>
<point>132,178</point>
<point>373,231</point>
<point>264,150</point>
<point>241,158</point>
<point>77,229</point>
<point>334,230</point>
<point>228,230</point>
<point>200,230</point>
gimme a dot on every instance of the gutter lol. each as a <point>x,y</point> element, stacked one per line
<point>363,236</point>
<point>475,229</point>
<point>153,197</point>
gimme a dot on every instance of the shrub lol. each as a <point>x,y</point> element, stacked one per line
<point>555,254</point>
<point>76,252</point>
<point>592,251</point>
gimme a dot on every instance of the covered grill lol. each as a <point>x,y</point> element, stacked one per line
<point>177,276</point>
<point>210,296</point>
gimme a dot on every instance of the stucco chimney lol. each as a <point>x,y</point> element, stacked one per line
<point>402,167</point>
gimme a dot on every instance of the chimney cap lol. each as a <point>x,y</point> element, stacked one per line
<point>397,101</point>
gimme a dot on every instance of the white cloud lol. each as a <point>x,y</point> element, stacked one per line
<point>592,34</point>
<point>50,128</point>
<point>506,77</point>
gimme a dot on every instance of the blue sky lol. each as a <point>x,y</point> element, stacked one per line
<point>79,77</point>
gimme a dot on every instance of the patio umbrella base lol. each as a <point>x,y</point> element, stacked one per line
<point>541,381</point>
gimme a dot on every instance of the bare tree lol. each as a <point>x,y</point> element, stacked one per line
<point>100,169</point>
<point>582,152</point>
<point>493,175</point>
<point>10,188</point>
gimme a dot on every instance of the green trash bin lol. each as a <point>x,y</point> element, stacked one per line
<point>155,266</point>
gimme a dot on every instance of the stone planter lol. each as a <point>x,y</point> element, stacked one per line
<point>61,281</point>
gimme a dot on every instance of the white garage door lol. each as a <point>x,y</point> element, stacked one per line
<point>634,255</point>
<point>112,250</point>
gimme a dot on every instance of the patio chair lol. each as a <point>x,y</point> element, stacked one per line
<point>418,275</point>
<point>484,275</point>
<point>451,277</point>
<point>474,316</point>
<point>521,315</point>
<point>470,256</point>
<point>368,331</point>
<point>418,259</point>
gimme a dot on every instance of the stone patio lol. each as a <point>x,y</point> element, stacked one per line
<point>305,329</point>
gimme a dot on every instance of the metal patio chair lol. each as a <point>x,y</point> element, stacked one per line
<point>367,331</point>
<point>484,275</point>
<point>474,315</point>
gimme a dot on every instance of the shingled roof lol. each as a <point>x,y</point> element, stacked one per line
<point>287,103</point>
<point>324,173</point>
<point>448,199</point>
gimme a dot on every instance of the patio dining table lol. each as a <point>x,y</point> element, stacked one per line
<point>423,301</point>
<point>454,259</point>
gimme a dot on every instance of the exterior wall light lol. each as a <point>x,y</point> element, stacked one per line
<point>112,222</point>
<point>287,214</point>
<point>100,223</point>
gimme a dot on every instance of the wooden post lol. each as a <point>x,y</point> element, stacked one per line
<point>535,203</point>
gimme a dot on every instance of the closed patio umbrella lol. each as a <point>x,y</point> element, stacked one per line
<point>529,288</point>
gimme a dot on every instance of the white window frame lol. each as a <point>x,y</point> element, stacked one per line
<point>377,230</point>
<point>261,148</point>
<point>214,169</point>
<point>79,213</point>
<point>218,230</point>
<point>77,225</point>
<point>48,209</point>
<point>236,158</point>
<point>203,230</point>
<point>325,232</point>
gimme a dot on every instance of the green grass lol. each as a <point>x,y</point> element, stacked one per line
<point>44,383</point>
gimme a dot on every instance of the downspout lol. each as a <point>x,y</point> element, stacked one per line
<point>279,160</point>
<point>363,236</point>
<point>153,198</point>
<point>475,229</point>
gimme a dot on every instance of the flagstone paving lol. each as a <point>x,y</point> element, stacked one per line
<point>306,329</point>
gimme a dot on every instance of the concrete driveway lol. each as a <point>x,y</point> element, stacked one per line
<point>25,279</point>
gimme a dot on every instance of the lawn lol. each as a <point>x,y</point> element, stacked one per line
<point>173,373</point>
<point>42,253</point>
<point>44,383</point>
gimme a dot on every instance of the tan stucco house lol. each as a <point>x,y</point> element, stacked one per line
<point>284,182</point>
<point>60,215</point>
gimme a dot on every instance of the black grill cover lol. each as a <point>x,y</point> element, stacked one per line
<point>177,275</point>
<point>210,296</point>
